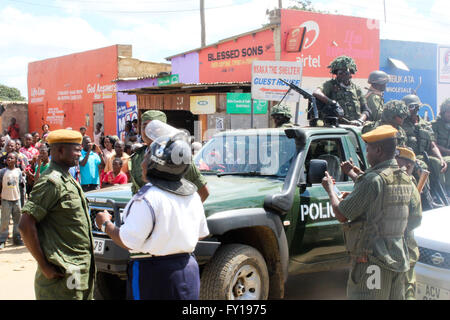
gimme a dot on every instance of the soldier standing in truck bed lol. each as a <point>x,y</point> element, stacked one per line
<point>441,129</point>
<point>341,90</point>
<point>374,96</point>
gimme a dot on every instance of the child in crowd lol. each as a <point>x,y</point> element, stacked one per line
<point>11,183</point>
<point>43,161</point>
<point>116,176</point>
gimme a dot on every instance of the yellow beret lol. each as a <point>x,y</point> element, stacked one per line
<point>64,136</point>
<point>380,133</point>
<point>406,153</point>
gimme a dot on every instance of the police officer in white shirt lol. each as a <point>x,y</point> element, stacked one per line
<point>162,225</point>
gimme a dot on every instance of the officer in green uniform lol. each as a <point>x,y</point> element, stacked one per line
<point>394,113</point>
<point>374,96</point>
<point>420,138</point>
<point>376,217</point>
<point>56,226</point>
<point>441,129</point>
<point>406,159</point>
<point>135,161</point>
<point>344,92</point>
<point>281,115</point>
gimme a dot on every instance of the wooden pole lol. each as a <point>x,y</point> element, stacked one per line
<point>202,21</point>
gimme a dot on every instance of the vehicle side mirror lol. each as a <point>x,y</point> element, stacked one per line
<point>316,171</point>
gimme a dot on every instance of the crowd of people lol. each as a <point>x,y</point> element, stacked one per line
<point>103,163</point>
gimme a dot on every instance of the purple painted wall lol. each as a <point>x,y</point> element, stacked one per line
<point>124,97</point>
<point>187,66</point>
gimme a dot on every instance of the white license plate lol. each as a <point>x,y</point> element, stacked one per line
<point>99,246</point>
<point>427,292</point>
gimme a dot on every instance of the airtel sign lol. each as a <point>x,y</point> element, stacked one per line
<point>315,39</point>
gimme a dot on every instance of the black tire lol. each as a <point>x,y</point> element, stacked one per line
<point>109,287</point>
<point>236,271</point>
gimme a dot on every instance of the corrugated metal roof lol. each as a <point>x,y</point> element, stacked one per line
<point>189,86</point>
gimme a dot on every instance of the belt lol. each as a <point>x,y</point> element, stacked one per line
<point>137,256</point>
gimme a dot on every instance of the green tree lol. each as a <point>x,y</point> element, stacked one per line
<point>306,5</point>
<point>10,94</point>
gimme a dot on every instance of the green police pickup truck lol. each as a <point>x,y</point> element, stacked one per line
<point>267,212</point>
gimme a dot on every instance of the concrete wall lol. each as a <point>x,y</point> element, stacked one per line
<point>130,67</point>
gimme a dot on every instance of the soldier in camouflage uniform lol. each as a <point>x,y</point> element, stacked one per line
<point>374,96</point>
<point>344,92</point>
<point>376,215</point>
<point>135,161</point>
<point>394,113</point>
<point>420,138</point>
<point>56,226</point>
<point>406,159</point>
<point>441,129</point>
<point>281,115</point>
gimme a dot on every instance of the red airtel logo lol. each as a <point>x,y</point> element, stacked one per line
<point>299,37</point>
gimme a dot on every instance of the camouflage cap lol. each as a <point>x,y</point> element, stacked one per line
<point>343,63</point>
<point>281,109</point>
<point>154,115</point>
<point>394,108</point>
<point>445,106</point>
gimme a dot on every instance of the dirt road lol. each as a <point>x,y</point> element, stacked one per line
<point>17,269</point>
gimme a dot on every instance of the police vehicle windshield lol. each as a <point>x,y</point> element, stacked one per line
<point>250,155</point>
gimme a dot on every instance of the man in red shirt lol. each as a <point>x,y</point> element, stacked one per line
<point>28,150</point>
<point>116,176</point>
<point>13,129</point>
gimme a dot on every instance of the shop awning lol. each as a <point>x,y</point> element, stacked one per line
<point>398,64</point>
<point>192,87</point>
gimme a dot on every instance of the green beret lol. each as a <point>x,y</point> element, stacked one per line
<point>154,115</point>
<point>64,136</point>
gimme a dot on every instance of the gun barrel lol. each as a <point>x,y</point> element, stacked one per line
<point>305,94</point>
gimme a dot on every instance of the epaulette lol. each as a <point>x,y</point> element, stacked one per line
<point>54,177</point>
<point>142,191</point>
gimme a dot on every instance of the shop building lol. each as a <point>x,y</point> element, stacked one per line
<point>223,69</point>
<point>78,89</point>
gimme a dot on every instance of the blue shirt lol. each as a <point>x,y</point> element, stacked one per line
<point>89,173</point>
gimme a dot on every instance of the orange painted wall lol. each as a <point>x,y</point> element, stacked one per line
<point>62,90</point>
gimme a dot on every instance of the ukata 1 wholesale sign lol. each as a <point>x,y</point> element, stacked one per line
<point>231,61</point>
<point>315,39</point>
<point>266,83</point>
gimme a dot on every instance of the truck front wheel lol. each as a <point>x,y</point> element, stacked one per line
<point>236,272</point>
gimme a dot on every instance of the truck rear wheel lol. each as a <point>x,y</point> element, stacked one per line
<point>236,272</point>
<point>109,287</point>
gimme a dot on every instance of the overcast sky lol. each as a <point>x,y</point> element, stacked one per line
<point>33,30</point>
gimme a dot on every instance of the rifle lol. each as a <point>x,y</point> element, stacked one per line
<point>313,112</point>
